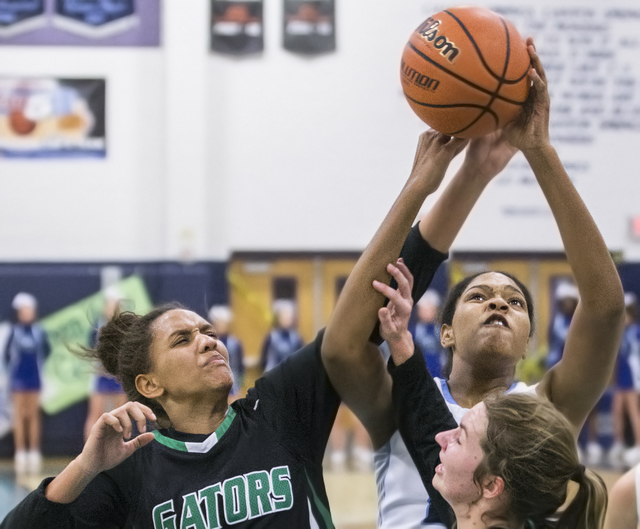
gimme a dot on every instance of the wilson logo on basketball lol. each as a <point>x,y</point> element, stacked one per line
<point>419,79</point>
<point>429,30</point>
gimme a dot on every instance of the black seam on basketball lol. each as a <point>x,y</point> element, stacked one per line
<point>506,61</point>
<point>460,78</point>
<point>477,48</point>
<point>504,72</point>
<point>473,42</point>
<point>485,109</point>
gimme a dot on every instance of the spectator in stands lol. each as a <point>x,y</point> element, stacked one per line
<point>284,339</point>
<point>427,332</point>
<point>566,296</point>
<point>627,386</point>
<point>107,393</point>
<point>25,353</point>
<point>221,317</point>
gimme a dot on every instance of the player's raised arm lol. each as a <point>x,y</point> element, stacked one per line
<point>355,367</point>
<point>576,383</point>
<point>485,158</point>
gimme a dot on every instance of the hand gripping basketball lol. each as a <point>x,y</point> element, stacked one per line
<point>530,129</point>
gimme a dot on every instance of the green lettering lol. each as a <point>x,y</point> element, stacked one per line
<point>191,515</point>
<point>235,500</point>
<point>282,490</point>
<point>159,522</point>
<point>210,495</point>
<point>258,487</point>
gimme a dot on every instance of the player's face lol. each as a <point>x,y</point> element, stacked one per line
<point>460,455</point>
<point>187,357</point>
<point>490,327</point>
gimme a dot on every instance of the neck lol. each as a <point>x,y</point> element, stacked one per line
<point>203,416</point>
<point>469,386</point>
<point>477,516</point>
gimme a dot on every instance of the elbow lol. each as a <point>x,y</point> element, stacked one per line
<point>609,307</point>
<point>335,346</point>
<point>615,306</point>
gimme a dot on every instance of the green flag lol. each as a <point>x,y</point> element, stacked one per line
<point>66,378</point>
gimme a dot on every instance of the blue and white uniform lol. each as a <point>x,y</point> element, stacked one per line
<point>279,345</point>
<point>427,336</point>
<point>558,333</point>
<point>628,366</point>
<point>403,502</point>
<point>26,351</point>
<point>236,360</point>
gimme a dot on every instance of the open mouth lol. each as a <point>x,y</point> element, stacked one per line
<point>497,319</point>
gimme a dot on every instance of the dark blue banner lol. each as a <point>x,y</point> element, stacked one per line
<point>237,27</point>
<point>309,26</point>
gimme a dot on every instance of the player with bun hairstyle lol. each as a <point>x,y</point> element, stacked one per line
<point>256,463</point>
<point>509,462</point>
<point>492,317</point>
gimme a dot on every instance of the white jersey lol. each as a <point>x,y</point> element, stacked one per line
<point>403,502</point>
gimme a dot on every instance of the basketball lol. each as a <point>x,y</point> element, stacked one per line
<point>464,71</point>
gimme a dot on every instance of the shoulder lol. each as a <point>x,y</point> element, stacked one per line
<point>624,492</point>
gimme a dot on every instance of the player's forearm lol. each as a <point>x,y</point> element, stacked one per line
<point>442,223</point>
<point>593,269</point>
<point>356,312</point>
<point>70,483</point>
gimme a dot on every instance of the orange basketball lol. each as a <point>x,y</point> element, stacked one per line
<point>464,71</point>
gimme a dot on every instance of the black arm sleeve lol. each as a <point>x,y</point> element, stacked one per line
<point>36,511</point>
<point>423,262</point>
<point>421,412</point>
<point>298,401</point>
<point>101,505</point>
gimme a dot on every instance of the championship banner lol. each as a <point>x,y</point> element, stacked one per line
<point>80,22</point>
<point>52,118</point>
<point>309,26</point>
<point>66,377</point>
<point>237,27</point>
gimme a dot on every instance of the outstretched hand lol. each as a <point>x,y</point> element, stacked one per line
<point>394,318</point>
<point>530,128</point>
<point>488,155</point>
<point>433,156</point>
<point>107,445</point>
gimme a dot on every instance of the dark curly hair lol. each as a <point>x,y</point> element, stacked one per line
<point>123,349</point>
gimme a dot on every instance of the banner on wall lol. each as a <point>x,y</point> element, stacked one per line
<point>66,377</point>
<point>237,27</point>
<point>52,118</point>
<point>80,22</point>
<point>309,26</point>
